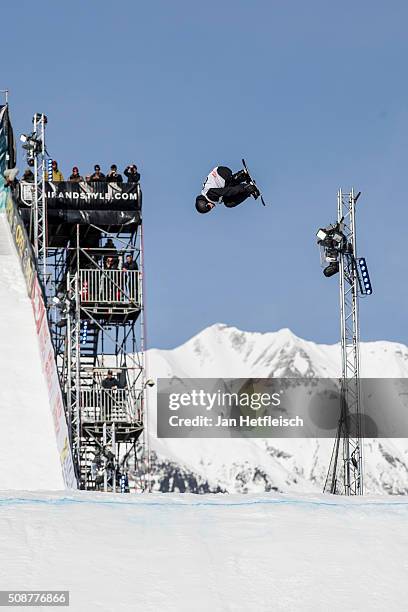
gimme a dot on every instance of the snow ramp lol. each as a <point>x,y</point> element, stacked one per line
<point>29,453</point>
<point>208,553</point>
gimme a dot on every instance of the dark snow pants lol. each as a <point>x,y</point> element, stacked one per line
<point>235,190</point>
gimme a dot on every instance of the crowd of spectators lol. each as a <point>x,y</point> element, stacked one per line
<point>113,176</point>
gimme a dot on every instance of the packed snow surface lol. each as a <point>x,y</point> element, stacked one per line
<point>28,451</point>
<point>187,552</point>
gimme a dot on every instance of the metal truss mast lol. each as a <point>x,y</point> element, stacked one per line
<point>345,475</point>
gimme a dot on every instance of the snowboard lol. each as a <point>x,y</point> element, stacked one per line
<point>251,180</point>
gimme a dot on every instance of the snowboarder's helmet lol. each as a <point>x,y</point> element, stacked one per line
<point>202,204</point>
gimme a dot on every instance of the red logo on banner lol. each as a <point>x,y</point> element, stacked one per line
<point>38,305</point>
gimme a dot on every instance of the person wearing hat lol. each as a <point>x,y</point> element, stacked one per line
<point>113,176</point>
<point>110,382</point>
<point>75,176</point>
<point>132,174</point>
<point>109,385</point>
<point>97,176</point>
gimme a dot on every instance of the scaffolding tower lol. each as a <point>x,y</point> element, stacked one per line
<point>345,474</point>
<point>97,327</point>
<point>95,313</point>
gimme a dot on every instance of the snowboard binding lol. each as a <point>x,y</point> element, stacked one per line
<point>256,191</point>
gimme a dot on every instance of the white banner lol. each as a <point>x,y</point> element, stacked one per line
<point>54,390</point>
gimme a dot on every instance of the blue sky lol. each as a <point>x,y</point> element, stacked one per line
<point>313,94</point>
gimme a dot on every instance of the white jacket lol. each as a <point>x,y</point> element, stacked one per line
<point>213,181</point>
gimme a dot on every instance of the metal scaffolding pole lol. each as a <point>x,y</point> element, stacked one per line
<point>147,484</point>
<point>345,475</point>
<point>40,199</point>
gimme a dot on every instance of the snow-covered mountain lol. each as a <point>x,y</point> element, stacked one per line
<point>236,465</point>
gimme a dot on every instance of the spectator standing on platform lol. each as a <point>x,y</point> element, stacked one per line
<point>129,264</point>
<point>108,285</point>
<point>109,464</point>
<point>75,176</point>
<point>110,382</point>
<point>113,176</point>
<point>131,284</point>
<point>56,172</point>
<point>96,464</point>
<point>110,251</point>
<point>97,176</point>
<point>110,263</point>
<point>109,386</point>
<point>132,174</point>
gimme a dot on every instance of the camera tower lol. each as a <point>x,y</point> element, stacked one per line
<point>345,475</point>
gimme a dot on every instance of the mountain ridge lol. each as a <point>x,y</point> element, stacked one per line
<point>256,465</point>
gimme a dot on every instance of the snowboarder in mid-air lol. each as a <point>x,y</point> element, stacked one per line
<point>221,185</point>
